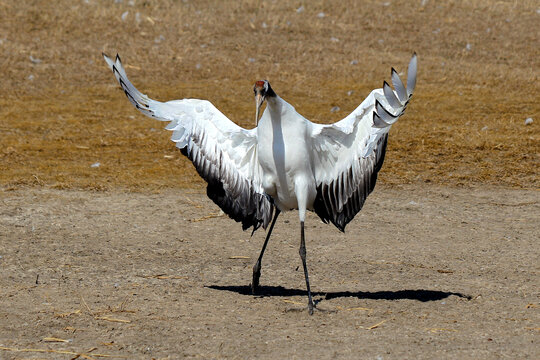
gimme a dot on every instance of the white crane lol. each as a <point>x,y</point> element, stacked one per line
<point>286,162</point>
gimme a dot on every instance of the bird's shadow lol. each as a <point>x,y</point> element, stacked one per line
<point>418,295</point>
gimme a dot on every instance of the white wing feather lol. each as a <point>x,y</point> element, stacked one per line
<point>349,153</point>
<point>224,154</point>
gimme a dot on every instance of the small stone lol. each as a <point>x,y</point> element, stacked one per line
<point>124,15</point>
<point>335,109</point>
<point>350,92</point>
<point>528,121</point>
<point>354,62</point>
<point>35,60</point>
<point>321,15</point>
<point>95,165</point>
<point>300,9</point>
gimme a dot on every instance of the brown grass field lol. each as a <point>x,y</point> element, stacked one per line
<point>479,66</point>
<point>127,260</point>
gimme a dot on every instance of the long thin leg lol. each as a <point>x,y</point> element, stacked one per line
<point>302,252</point>
<point>257,267</point>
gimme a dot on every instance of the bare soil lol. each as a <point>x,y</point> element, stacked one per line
<point>423,272</point>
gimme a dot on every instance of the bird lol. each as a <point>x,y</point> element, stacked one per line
<point>286,162</point>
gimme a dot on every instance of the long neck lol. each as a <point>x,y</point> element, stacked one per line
<point>275,106</point>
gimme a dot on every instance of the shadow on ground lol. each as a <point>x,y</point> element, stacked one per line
<point>419,295</point>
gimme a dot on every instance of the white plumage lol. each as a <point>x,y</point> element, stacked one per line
<point>286,162</point>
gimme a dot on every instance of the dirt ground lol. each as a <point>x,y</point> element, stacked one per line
<point>423,272</point>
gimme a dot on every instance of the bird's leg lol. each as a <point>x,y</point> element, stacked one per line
<point>302,252</point>
<point>257,267</point>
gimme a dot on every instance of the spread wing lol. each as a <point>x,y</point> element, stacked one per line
<point>349,154</point>
<point>224,154</point>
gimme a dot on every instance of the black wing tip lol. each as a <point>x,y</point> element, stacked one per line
<point>378,103</point>
<point>118,58</point>
<point>393,71</point>
<point>380,122</point>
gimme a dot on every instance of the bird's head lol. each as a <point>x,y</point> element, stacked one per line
<point>262,91</point>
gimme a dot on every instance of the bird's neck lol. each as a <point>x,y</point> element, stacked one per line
<point>275,105</point>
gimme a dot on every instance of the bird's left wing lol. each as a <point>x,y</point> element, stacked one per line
<point>224,154</point>
<point>349,154</point>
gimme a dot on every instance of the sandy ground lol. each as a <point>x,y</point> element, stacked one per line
<point>422,272</point>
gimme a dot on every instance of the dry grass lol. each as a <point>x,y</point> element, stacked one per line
<point>478,82</point>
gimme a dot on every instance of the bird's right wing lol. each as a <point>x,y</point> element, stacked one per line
<point>349,154</point>
<point>224,154</point>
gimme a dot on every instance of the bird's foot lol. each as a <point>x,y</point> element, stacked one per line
<point>256,275</point>
<point>254,288</point>
<point>311,307</point>
<point>255,284</point>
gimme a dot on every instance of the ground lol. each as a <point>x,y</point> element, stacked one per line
<point>423,272</point>
<point>108,245</point>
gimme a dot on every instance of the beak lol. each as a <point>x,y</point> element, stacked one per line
<point>259,99</point>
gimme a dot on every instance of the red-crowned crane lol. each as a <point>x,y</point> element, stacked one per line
<point>286,162</point>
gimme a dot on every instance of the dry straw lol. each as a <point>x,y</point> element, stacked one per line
<point>62,112</point>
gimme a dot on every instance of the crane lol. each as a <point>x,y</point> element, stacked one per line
<point>286,162</point>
